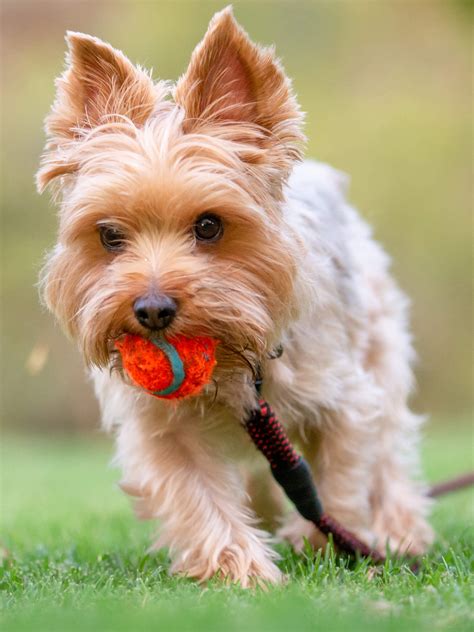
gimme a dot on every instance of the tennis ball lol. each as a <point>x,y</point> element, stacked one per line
<point>172,368</point>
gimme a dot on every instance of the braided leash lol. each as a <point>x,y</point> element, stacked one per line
<point>453,485</point>
<point>292,472</point>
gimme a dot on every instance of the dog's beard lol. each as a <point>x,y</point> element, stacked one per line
<point>221,308</point>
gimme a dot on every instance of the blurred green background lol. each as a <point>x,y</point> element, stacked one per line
<point>387,90</point>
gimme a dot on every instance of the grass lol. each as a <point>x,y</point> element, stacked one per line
<point>74,558</point>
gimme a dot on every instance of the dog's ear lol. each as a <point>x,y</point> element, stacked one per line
<point>99,85</point>
<point>232,80</point>
<point>99,82</point>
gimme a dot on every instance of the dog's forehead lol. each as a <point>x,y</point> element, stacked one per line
<point>159,173</point>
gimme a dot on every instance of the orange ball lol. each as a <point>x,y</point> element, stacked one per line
<point>169,369</point>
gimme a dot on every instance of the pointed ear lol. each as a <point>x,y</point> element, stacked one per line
<point>98,83</point>
<point>230,79</point>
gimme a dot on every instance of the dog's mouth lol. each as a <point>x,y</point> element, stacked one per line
<point>232,359</point>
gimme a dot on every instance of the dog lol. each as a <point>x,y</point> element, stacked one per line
<point>187,209</point>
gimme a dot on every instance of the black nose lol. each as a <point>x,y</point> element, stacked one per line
<point>155,311</point>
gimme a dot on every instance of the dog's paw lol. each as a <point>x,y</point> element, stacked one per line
<point>413,537</point>
<point>296,530</point>
<point>232,565</point>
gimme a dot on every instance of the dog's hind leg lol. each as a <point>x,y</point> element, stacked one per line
<point>399,503</point>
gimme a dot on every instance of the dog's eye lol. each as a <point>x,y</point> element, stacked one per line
<point>112,238</point>
<point>208,227</point>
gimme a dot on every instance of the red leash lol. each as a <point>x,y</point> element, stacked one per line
<point>453,485</point>
<point>291,471</point>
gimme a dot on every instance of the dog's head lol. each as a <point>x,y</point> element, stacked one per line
<point>170,213</point>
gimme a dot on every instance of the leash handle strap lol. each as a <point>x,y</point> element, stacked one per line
<point>298,485</point>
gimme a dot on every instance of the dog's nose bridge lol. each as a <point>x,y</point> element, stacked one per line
<point>161,252</point>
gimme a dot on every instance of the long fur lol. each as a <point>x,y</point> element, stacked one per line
<point>296,265</point>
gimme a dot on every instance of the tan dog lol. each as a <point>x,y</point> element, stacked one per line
<point>182,211</point>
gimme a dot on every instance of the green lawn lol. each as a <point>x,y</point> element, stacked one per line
<point>74,558</point>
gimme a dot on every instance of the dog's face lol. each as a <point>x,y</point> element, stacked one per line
<point>170,218</point>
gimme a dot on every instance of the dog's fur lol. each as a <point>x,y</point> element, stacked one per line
<point>296,265</point>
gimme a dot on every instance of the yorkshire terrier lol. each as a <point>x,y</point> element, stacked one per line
<point>186,209</point>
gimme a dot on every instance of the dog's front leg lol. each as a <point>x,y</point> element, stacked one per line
<point>199,500</point>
